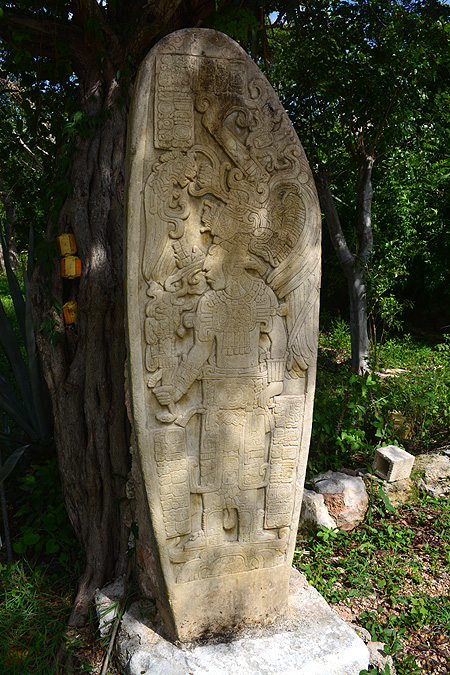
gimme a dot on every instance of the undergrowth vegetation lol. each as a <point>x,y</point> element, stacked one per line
<point>389,571</point>
<point>34,608</point>
<point>405,399</point>
<point>393,569</point>
<point>36,589</point>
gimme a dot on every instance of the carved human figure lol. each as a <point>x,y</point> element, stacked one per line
<point>239,353</point>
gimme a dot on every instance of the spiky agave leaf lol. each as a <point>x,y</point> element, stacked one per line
<point>34,415</point>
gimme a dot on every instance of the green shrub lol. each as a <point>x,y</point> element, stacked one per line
<point>354,414</point>
<point>24,397</point>
<point>44,530</point>
<point>350,419</point>
<point>422,395</point>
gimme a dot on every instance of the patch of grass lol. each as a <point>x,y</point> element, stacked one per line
<point>422,395</point>
<point>36,591</point>
<point>393,571</point>
<point>336,338</point>
<point>33,613</point>
<point>369,557</point>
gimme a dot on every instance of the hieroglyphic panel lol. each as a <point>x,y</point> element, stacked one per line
<point>172,469</point>
<point>283,461</point>
<point>174,109</point>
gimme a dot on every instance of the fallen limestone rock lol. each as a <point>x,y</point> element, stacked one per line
<point>314,513</point>
<point>379,658</point>
<point>401,492</point>
<point>361,632</point>
<point>432,474</point>
<point>345,497</point>
<point>107,604</point>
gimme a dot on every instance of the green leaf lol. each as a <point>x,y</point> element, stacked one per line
<point>77,116</point>
<point>11,462</point>
<point>31,537</point>
<point>387,504</point>
<point>52,546</point>
<point>20,547</point>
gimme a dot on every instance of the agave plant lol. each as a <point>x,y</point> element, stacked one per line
<point>30,407</point>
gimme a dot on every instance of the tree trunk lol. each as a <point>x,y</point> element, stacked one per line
<point>8,224</point>
<point>357,283</point>
<point>85,372</point>
<point>358,320</point>
<point>353,265</point>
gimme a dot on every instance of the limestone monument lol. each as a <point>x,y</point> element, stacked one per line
<point>223,269</point>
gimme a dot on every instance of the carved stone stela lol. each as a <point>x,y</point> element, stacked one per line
<point>223,272</point>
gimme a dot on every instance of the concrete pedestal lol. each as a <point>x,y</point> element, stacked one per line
<point>311,639</point>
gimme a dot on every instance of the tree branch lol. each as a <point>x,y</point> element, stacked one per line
<point>150,17</point>
<point>41,37</point>
<point>85,10</point>
<point>383,122</point>
<point>28,151</point>
<point>345,257</point>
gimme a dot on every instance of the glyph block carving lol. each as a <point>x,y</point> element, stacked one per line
<point>223,265</point>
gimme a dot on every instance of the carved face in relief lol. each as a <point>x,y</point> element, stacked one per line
<point>187,171</point>
<point>213,267</point>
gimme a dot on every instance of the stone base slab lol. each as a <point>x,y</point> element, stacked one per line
<point>311,639</point>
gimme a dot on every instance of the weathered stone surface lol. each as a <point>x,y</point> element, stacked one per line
<point>401,492</point>
<point>314,513</point>
<point>378,657</point>
<point>107,602</point>
<point>432,474</point>
<point>362,632</point>
<point>344,612</point>
<point>345,497</point>
<point>310,640</point>
<point>222,282</point>
<point>392,463</point>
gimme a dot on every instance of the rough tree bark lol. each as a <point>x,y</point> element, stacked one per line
<point>85,372</point>
<point>8,226</point>
<point>353,264</point>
